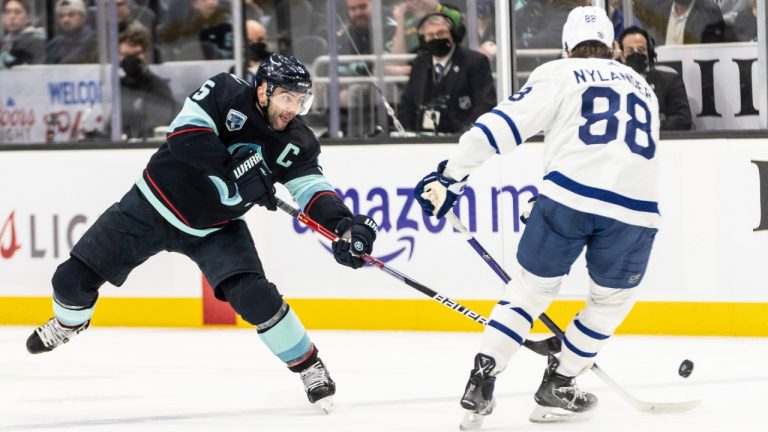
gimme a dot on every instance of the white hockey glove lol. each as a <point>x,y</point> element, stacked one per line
<point>437,193</point>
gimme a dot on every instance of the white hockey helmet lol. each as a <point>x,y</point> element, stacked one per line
<point>587,23</point>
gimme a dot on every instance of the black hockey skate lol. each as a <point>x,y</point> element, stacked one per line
<point>319,385</point>
<point>559,399</point>
<point>478,395</point>
<point>52,334</point>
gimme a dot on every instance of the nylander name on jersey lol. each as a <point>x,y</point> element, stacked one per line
<point>190,179</point>
<point>597,76</point>
<point>600,121</point>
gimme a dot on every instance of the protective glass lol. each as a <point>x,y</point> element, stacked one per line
<point>292,101</point>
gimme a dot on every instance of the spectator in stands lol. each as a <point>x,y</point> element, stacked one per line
<point>22,43</point>
<point>408,14</point>
<point>76,41</point>
<point>449,85</point>
<point>356,35</point>
<point>731,8</point>
<point>146,100</point>
<point>637,52</point>
<point>256,49</point>
<point>539,24</point>
<point>746,23</point>
<point>486,28</point>
<point>204,33</point>
<point>129,15</point>
<point>258,42</point>
<point>616,15</point>
<point>678,22</point>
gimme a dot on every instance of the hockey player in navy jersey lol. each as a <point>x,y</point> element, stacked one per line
<point>601,125</point>
<point>225,150</point>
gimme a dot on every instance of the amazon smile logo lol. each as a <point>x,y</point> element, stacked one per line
<point>399,215</point>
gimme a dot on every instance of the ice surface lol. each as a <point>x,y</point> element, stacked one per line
<point>165,380</point>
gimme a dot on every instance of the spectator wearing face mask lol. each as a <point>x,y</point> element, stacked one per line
<point>637,52</point>
<point>449,86</point>
<point>256,49</point>
<point>146,100</point>
<point>22,43</point>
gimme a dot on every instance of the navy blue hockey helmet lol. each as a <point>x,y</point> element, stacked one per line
<point>279,70</point>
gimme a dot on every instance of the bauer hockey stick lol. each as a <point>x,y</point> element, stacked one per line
<point>640,405</point>
<point>539,347</point>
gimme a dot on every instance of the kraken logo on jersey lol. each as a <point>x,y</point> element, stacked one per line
<point>235,120</point>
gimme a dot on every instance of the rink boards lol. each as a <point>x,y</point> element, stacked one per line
<point>707,274</point>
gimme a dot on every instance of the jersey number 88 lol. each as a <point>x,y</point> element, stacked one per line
<point>612,121</point>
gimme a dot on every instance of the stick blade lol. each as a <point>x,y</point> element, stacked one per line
<point>666,407</point>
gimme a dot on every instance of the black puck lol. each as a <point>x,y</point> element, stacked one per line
<point>686,368</point>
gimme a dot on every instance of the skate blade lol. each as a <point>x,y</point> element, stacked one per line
<point>325,404</point>
<point>473,420</point>
<point>542,414</point>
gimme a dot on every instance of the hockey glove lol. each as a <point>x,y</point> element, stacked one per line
<point>437,193</point>
<point>527,213</point>
<point>356,237</point>
<point>253,179</point>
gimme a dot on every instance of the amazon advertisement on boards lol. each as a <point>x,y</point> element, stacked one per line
<point>710,247</point>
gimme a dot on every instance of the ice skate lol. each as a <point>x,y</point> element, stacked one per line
<point>52,334</point>
<point>478,395</point>
<point>319,386</point>
<point>559,399</point>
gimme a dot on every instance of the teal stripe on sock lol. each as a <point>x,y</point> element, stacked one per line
<point>288,339</point>
<point>298,351</point>
<point>71,317</point>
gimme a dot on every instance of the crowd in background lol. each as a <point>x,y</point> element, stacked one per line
<point>64,32</point>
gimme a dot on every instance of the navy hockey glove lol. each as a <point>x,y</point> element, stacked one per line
<point>437,193</point>
<point>253,180</point>
<point>356,237</point>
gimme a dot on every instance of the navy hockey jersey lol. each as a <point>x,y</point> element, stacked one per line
<point>188,180</point>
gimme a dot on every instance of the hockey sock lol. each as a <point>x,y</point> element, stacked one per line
<point>590,329</point>
<point>285,336</point>
<point>526,297</point>
<point>75,291</point>
<point>71,316</point>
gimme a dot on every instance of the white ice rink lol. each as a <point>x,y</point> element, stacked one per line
<point>164,380</point>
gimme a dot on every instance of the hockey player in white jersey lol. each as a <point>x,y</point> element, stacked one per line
<point>601,126</point>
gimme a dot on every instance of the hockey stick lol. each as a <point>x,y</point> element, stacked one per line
<point>640,405</point>
<point>539,347</point>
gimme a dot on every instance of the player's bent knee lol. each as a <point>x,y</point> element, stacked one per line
<point>253,297</point>
<point>75,284</point>
<point>607,307</point>
<point>531,291</point>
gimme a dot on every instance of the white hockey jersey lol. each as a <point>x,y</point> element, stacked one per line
<point>600,121</point>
